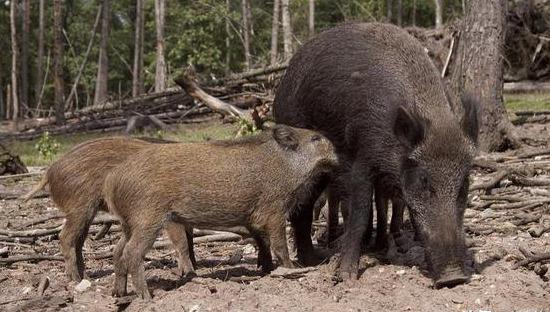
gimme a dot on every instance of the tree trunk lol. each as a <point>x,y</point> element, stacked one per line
<point>389,10</point>
<point>14,60</point>
<point>246,34</point>
<point>399,13</point>
<point>101,92</point>
<point>478,70</point>
<point>137,72</point>
<point>227,40</point>
<point>287,29</point>
<point>59,84</point>
<point>414,13</point>
<point>160,74</point>
<point>40,53</point>
<point>275,31</point>
<point>25,29</point>
<point>439,13</point>
<point>311,16</point>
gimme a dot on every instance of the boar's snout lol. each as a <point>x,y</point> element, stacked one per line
<point>446,254</point>
<point>450,277</point>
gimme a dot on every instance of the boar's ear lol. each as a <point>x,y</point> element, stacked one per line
<point>286,137</point>
<point>470,121</point>
<point>409,128</point>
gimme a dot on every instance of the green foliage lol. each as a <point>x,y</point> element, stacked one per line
<point>159,134</point>
<point>246,127</point>
<point>195,32</point>
<point>47,146</point>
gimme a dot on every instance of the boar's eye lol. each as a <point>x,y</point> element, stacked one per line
<point>418,179</point>
<point>315,138</point>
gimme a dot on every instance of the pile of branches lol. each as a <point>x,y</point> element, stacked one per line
<point>528,41</point>
<point>510,192</point>
<point>245,91</point>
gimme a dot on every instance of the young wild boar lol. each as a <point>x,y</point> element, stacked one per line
<point>245,182</point>
<point>76,181</point>
<point>373,91</point>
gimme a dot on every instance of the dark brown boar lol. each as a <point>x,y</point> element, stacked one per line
<point>373,91</point>
<point>245,182</point>
<point>76,182</point>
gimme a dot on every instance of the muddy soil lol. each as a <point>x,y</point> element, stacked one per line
<point>228,279</point>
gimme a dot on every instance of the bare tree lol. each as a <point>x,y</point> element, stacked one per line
<point>311,23</point>
<point>479,70</point>
<point>160,74</point>
<point>101,91</point>
<point>287,29</point>
<point>40,53</point>
<point>275,31</point>
<point>414,12</point>
<point>14,60</point>
<point>59,84</point>
<point>25,29</point>
<point>246,33</point>
<point>389,10</point>
<point>439,13</point>
<point>400,12</point>
<point>227,40</point>
<point>137,72</point>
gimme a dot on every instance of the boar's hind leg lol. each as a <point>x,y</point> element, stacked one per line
<point>178,234</point>
<point>121,269</point>
<point>140,241</point>
<point>359,202</point>
<point>72,239</point>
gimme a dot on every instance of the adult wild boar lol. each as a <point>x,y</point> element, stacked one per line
<point>76,182</point>
<point>245,182</point>
<point>372,90</point>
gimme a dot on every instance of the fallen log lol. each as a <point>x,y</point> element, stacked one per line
<point>526,86</point>
<point>188,82</point>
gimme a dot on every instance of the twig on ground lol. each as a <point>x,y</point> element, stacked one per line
<point>495,179</point>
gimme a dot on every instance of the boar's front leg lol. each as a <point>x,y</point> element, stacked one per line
<point>301,218</point>
<point>277,236</point>
<point>359,188</point>
<point>265,261</point>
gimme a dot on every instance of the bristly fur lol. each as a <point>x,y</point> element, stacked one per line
<point>373,91</point>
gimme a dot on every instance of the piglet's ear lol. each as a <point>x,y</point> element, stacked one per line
<point>470,120</point>
<point>286,137</point>
<point>409,128</point>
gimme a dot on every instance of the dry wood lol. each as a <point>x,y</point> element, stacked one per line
<point>22,240</point>
<point>523,204</point>
<point>492,183</point>
<point>40,220</point>
<point>188,82</point>
<point>20,176</point>
<point>525,181</point>
<point>523,86</point>
<point>31,233</point>
<point>532,258</point>
<point>44,283</point>
<point>34,257</point>
<point>291,273</point>
<point>532,113</point>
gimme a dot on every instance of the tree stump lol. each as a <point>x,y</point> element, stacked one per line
<point>9,163</point>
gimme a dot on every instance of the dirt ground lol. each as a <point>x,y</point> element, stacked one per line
<point>392,280</point>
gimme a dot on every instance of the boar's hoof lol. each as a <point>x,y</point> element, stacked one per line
<point>451,278</point>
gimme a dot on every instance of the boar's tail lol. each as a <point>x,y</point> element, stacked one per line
<point>40,186</point>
